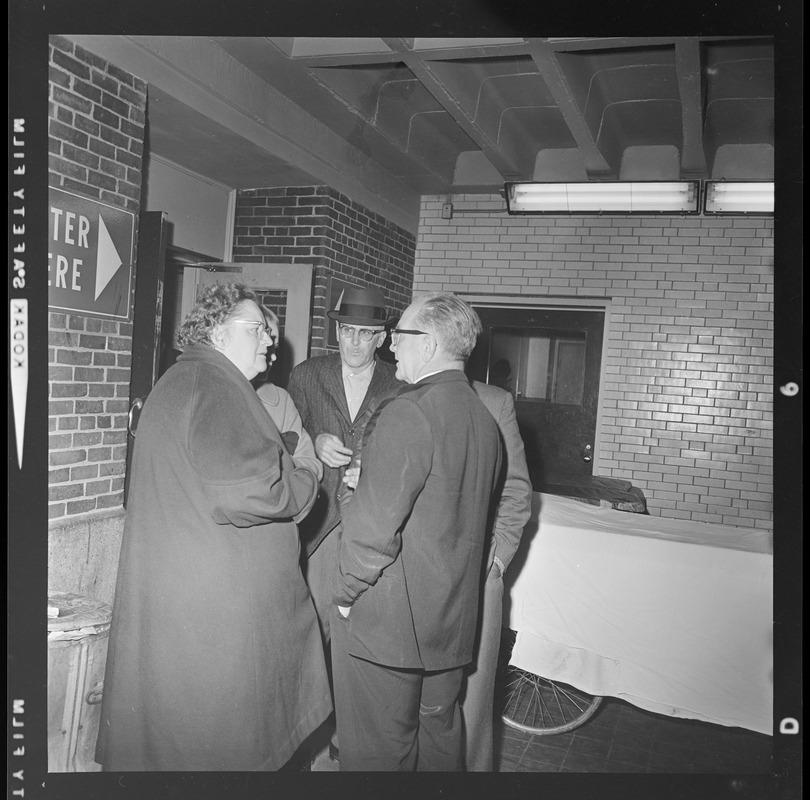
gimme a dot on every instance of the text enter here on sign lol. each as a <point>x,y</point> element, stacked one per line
<point>68,228</point>
<point>90,248</point>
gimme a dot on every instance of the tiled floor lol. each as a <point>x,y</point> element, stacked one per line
<point>623,738</point>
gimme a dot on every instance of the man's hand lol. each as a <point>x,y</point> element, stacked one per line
<point>332,451</point>
<point>352,475</point>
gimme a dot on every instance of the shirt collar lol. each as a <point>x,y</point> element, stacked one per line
<point>366,372</point>
<point>422,377</point>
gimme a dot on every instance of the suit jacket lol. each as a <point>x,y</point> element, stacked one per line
<point>316,387</point>
<point>515,503</point>
<point>413,532</point>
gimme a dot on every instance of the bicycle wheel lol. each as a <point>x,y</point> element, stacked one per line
<point>536,705</point>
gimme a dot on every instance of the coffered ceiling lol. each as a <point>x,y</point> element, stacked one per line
<point>390,119</point>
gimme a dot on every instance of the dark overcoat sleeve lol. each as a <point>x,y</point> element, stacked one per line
<point>241,466</point>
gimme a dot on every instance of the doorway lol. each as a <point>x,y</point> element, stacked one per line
<point>168,282</point>
<point>549,359</point>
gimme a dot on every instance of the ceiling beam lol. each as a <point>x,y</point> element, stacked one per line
<point>265,58</point>
<point>627,42</point>
<point>415,62</point>
<point>544,58</point>
<point>400,49</point>
<point>689,70</point>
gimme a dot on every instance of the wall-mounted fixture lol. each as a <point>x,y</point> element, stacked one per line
<point>738,197</point>
<point>641,197</point>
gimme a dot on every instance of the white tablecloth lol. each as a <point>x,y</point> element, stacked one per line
<point>672,616</point>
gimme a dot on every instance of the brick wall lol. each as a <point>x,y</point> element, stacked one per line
<point>317,225</point>
<point>96,134</point>
<point>687,404</point>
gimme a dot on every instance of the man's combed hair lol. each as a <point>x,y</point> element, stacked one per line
<point>453,321</point>
<point>216,306</point>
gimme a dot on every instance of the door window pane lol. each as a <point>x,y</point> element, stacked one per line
<point>534,367</point>
<point>504,359</point>
<point>539,365</point>
<point>569,371</point>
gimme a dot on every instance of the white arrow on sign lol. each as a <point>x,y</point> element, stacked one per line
<point>107,259</point>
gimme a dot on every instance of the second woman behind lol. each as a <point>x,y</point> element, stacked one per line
<point>279,405</point>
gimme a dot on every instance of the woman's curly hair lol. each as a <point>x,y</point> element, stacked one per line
<point>216,306</point>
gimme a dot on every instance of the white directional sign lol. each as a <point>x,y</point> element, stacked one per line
<point>90,248</point>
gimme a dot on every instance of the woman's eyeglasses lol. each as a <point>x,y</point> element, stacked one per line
<point>258,328</point>
<point>364,334</point>
<point>397,332</point>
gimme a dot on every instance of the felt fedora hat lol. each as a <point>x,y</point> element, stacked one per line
<point>360,307</point>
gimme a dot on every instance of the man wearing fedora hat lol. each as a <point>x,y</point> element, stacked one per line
<point>335,395</point>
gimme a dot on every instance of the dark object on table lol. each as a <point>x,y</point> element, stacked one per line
<point>622,495</point>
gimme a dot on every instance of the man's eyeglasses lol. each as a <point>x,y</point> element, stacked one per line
<point>397,332</point>
<point>364,334</point>
<point>258,328</point>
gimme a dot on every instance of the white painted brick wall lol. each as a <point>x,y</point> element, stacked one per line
<point>687,408</point>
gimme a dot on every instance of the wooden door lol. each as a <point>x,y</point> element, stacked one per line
<point>550,360</point>
<point>146,322</point>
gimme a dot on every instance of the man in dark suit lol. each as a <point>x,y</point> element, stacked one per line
<point>514,505</point>
<point>334,395</point>
<point>410,559</point>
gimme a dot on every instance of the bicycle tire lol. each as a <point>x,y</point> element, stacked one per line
<point>539,706</point>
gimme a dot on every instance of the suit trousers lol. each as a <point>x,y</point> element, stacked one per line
<point>390,719</point>
<point>319,570</point>
<point>479,689</point>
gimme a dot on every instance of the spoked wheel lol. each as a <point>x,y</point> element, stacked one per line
<point>537,705</point>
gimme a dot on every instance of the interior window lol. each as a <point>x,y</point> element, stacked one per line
<point>540,365</point>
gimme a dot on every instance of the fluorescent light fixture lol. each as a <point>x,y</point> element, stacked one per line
<point>737,197</point>
<point>643,197</point>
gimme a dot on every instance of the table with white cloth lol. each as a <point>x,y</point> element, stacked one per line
<point>673,616</point>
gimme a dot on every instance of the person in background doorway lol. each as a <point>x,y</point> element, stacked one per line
<point>279,405</point>
<point>409,563</point>
<point>514,505</point>
<point>501,374</point>
<point>215,659</point>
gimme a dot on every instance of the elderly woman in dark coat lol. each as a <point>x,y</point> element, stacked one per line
<point>215,661</point>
